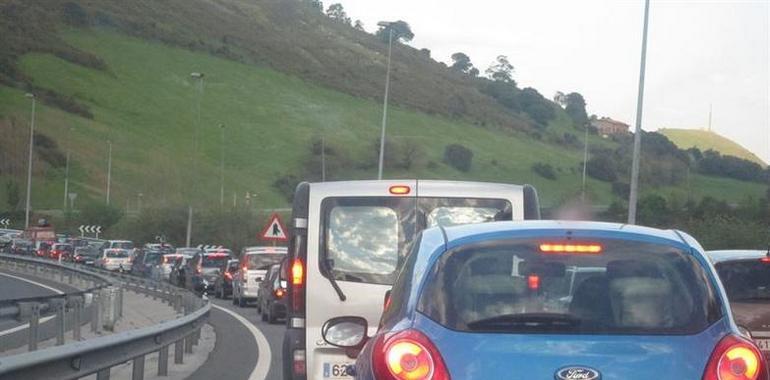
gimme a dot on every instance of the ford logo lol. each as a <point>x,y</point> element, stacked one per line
<point>577,373</point>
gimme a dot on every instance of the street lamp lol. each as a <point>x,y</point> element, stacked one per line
<point>67,168</point>
<point>199,77</point>
<point>633,194</point>
<point>388,25</point>
<point>29,159</point>
<point>109,169</point>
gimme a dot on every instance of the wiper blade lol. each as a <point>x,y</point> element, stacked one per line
<point>526,321</point>
<point>333,281</point>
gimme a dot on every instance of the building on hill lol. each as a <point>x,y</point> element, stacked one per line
<point>606,126</point>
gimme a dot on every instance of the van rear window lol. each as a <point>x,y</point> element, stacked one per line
<point>363,238</point>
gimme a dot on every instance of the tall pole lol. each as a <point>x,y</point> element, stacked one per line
<point>67,168</point>
<point>634,193</point>
<point>585,164</point>
<point>385,104</point>
<point>199,77</point>
<point>29,160</point>
<point>222,170</point>
<point>109,170</point>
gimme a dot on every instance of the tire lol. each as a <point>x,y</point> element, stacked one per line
<point>264,313</point>
<point>216,294</point>
<point>234,299</point>
<point>271,319</point>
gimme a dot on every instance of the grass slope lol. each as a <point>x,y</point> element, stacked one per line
<point>145,105</point>
<point>705,140</point>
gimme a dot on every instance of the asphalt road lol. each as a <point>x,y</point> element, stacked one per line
<point>14,288</point>
<point>236,352</point>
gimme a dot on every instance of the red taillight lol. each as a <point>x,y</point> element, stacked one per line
<point>299,362</point>
<point>533,282</point>
<point>400,190</point>
<point>279,293</point>
<point>228,275</point>
<point>765,260</point>
<point>198,269</point>
<point>245,268</point>
<point>408,355</point>
<point>297,273</point>
<point>736,358</point>
<point>570,248</point>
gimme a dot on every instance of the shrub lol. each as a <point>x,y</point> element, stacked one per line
<point>458,157</point>
<point>601,168</point>
<point>544,170</point>
<point>621,189</point>
<point>101,215</point>
<point>286,185</point>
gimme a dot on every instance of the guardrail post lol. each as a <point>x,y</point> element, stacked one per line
<point>179,352</point>
<point>120,302</point>
<point>137,373</point>
<point>103,374</point>
<point>61,319</point>
<point>188,344</point>
<point>78,303</point>
<point>163,361</point>
<point>34,324</point>
<point>71,278</point>
<point>96,312</point>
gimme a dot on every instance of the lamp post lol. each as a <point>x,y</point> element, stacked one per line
<point>388,25</point>
<point>633,194</point>
<point>29,159</point>
<point>67,168</point>
<point>199,77</point>
<point>109,169</point>
<point>222,170</point>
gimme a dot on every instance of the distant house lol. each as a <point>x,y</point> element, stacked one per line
<point>606,126</point>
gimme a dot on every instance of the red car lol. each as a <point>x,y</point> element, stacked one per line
<point>61,250</point>
<point>43,249</point>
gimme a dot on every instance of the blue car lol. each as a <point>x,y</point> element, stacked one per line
<point>552,300</point>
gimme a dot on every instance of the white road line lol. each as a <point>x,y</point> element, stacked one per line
<point>263,364</point>
<point>42,320</point>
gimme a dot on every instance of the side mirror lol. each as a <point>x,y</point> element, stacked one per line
<point>345,332</point>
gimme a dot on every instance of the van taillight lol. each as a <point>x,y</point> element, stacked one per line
<point>400,190</point>
<point>297,272</point>
<point>407,355</point>
<point>297,289</point>
<point>299,362</point>
<point>736,358</point>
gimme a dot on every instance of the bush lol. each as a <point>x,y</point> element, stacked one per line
<point>49,150</point>
<point>74,14</point>
<point>544,170</point>
<point>101,215</point>
<point>286,185</point>
<point>458,157</point>
<point>621,189</point>
<point>601,168</point>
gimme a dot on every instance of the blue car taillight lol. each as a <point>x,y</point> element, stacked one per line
<point>736,358</point>
<point>408,355</point>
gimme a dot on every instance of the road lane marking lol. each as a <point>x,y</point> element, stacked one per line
<point>263,363</point>
<point>42,320</point>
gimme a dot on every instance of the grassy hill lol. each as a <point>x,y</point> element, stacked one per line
<point>705,140</point>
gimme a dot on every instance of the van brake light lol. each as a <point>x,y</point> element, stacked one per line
<point>400,190</point>
<point>297,272</point>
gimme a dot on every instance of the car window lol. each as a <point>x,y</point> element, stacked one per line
<point>745,280</point>
<point>456,211</point>
<point>262,261</point>
<point>123,245</point>
<point>152,258</point>
<point>517,286</point>
<point>117,254</point>
<point>214,261</point>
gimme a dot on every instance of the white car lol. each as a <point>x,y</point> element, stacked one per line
<point>350,239</point>
<point>115,259</point>
<point>252,269</point>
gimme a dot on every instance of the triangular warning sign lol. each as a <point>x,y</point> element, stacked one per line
<point>274,231</point>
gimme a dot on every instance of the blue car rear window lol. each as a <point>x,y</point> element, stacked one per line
<point>568,287</point>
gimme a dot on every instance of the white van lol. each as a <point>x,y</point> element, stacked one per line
<point>349,240</point>
<point>252,270</point>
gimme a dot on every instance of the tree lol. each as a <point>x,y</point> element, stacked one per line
<point>473,72</point>
<point>337,12</point>
<point>359,25</point>
<point>461,63</point>
<point>560,99</point>
<point>458,157</point>
<point>401,31</point>
<point>74,14</point>
<point>576,109</point>
<point>501,70</point>
<point>317,5</point>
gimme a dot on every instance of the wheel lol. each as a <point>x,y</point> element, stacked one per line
<point>216,293</point>
<point>271,315</point>
<point>264,314</point>
<point>241,301</point>
<point>234,299</point>
<point>222,293</point>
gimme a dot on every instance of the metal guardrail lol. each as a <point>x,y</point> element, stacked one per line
<point>99,355</point>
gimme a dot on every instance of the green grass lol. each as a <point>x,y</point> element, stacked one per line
<point>145,105</point>
<point>705,140</point>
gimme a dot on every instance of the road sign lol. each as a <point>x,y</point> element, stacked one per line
<point>90,229</point>
<point>5,222</point>
<point>275,230</point>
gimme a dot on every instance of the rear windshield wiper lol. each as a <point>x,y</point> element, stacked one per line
<point>328,263</point>
<point>527,321</point>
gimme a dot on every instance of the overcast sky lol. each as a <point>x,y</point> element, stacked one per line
<point>699,53</point>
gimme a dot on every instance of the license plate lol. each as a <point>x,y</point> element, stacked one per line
<point>763,344</point>
<point>336,371</point>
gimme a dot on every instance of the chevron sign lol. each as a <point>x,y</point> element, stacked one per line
<point>90,229</point>
<point>5,222</point>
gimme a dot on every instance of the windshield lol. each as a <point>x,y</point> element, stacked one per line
<point>745,280</point>
<point>214,261</point>
<point>513,286</point>
<point>62,247</point>
<point>365,237</point>
<point>122,245</point>
<point>117,254</point>
<point>152,258</point>
<point>262,261</point>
